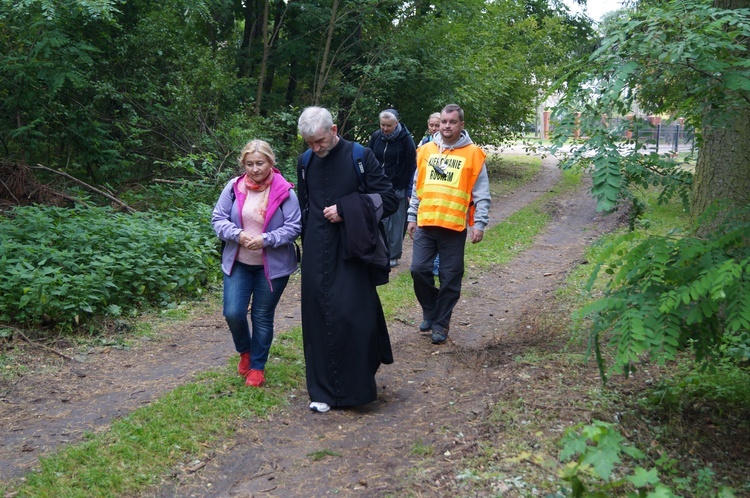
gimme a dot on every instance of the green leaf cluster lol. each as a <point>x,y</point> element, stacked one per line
<point>599,458</point>
<point>594,450</point>
<point>62,267</point>
<point>687,57</point>
<point>620,170</point>
<point>668,293</point>
<point>683,58</point>
<point>119,91</point>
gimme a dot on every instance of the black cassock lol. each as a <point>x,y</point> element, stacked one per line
<point>344,331</point>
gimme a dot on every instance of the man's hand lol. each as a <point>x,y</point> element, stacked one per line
<point>475,235</point>
<point>411,227</point>
<point>331,213</point>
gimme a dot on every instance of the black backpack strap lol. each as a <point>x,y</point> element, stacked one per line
<point>358,158</point>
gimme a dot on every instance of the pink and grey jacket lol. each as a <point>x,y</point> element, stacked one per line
<point>282,226</point>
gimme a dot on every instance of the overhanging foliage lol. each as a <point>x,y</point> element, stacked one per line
<point>683,58</point>
<point>665,294</point>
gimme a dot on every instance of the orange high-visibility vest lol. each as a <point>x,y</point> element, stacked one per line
<point>445,199</point>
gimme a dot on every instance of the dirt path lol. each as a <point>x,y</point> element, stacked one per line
<point>433,396</point>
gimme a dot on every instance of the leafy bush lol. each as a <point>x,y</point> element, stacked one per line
<point>594,451</point>
<point>164,197</point>
<point>61,267</point>
<point>670,292</point>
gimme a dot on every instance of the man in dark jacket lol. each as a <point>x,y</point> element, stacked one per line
<point>344,332</point>
<point>394,148</point>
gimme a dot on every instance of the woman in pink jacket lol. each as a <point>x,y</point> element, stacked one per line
<point>258,218</point>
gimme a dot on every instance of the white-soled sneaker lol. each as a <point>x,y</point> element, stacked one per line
<point>319,407</point>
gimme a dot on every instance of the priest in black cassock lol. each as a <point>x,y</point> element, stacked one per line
<point>344,332</point>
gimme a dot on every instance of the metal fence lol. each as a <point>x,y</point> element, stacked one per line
<point>654,136</point>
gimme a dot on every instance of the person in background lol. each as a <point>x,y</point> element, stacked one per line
<point>433,126</point>
<point>394,149</point>
<point>452,190</point>
<point>258,218</point>
<point>344,332</point>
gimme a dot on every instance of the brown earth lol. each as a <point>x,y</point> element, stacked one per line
<point>454,400</point>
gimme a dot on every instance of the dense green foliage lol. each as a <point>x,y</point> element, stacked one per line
<point>122,91</point>
<point>596,449</point>
<point>689,289</point>
<point>641,56</point>
<point>61,267</point>
<point>595,453</point>
<point>667,293</point>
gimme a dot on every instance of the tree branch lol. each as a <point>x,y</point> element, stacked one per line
<point>10,192</point>
<point>86,185</point>
<point>51,350</point>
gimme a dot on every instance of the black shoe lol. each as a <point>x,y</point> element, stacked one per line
<point>425,325</point>
<point>439,336</point>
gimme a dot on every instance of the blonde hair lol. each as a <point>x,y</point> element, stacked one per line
<point>257,146</point>
<point>433,115</point>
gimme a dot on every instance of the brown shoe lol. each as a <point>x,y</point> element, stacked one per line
<point>243,367</point>
<point>255,378</point>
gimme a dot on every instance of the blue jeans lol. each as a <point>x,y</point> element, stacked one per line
<point>246,282</point>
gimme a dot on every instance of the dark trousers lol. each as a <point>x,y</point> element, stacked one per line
<point>394,227</point>
<point>438,303</point>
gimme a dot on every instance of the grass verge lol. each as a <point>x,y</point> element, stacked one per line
<point>180,427</point>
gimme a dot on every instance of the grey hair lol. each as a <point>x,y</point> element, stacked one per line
<point>314,119</point>
<point>389,114</point>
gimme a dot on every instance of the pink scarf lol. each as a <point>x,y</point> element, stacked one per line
<point>258,187</point>
<point>259,214</point>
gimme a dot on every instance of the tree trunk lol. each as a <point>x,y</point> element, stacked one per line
<point>346,102</point>
<point>731,4</point>
<point>323,72</point>
<point>291,87</point>
<point>273,45</point>
<point>723,167</point>
<point>264,60</point>
<point>249,36</point>
<point>294,74</point>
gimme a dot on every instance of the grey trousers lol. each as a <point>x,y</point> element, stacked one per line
<point>394,227</point>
